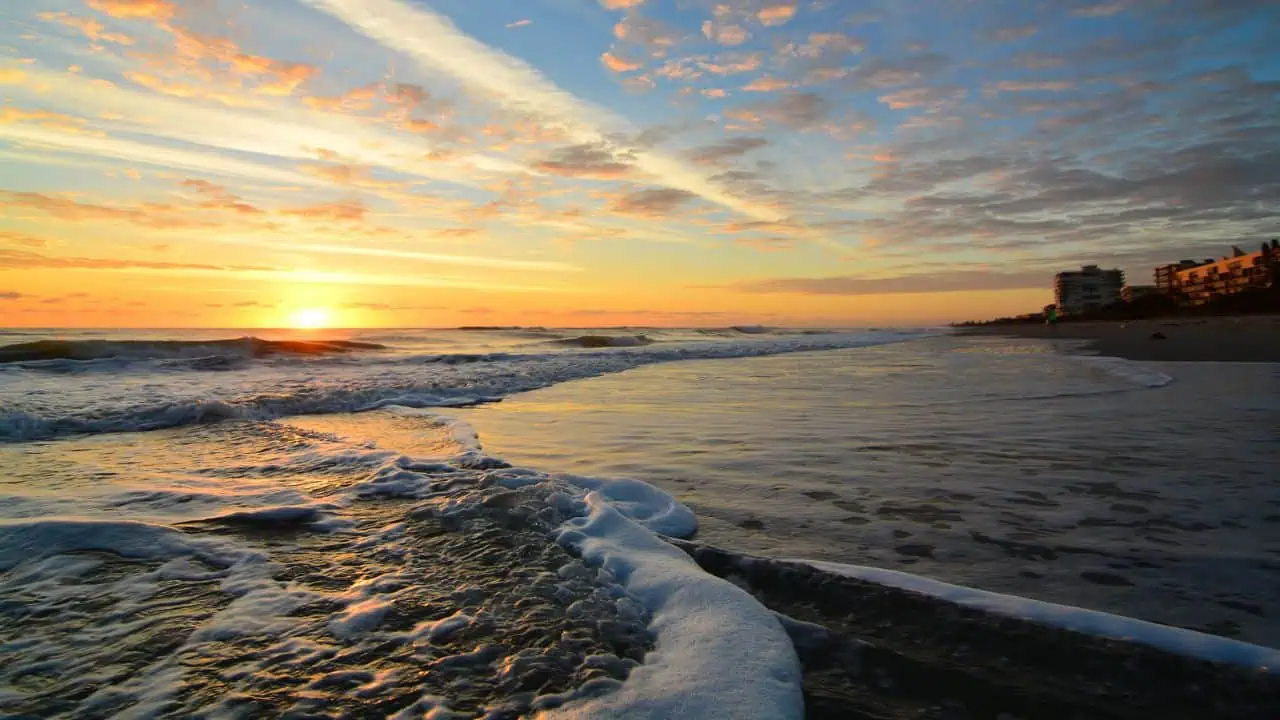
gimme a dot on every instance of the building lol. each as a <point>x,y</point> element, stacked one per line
<point>1167,275</point>
<point>1088,289</point>
<point>1228,276</point>
<point>1137,292</point>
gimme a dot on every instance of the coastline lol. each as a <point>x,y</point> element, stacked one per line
<point>1254,338</point>
<point>872,651</point>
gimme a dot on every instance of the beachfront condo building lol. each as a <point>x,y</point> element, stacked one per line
<point>1132,293</point>
<point>1089,288</point>
<point>1228,276</point>
<point>1167,275</point>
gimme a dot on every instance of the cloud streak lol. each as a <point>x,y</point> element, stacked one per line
<point>287,131</point>
<point>434,40</point>
<point>22,260</point>
<point>436,258</point>
<point>152,154</point>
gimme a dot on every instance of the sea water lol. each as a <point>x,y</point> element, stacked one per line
<point>194,523</point>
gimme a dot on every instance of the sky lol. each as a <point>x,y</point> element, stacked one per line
<point>426,163</point>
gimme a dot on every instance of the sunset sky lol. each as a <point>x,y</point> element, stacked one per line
<point>187,163</point>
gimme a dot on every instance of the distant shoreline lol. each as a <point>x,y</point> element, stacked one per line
<point>1245,338</point>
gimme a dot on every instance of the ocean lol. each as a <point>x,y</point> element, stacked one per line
<point>481,522</point>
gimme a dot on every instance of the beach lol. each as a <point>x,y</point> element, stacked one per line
<point>1247,338</point>
<point>516,522</point>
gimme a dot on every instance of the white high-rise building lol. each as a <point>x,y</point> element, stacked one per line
<point>1089,288</point>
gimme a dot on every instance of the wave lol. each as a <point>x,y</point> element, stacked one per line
<point>1127,370</point>
<point>603,341</point>
<point>817,579</point>
<point>448,380</point>
<point>721,654</point>
<point>722,647</point>
<point>245,347</point>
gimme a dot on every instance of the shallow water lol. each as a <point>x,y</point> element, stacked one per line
<point>1005,465</point>
<point>112,381</point>
<point>254,560</point>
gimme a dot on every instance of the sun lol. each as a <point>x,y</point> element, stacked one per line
<point>310,319</point>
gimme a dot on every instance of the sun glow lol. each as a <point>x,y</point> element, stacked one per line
<point>310,319</point>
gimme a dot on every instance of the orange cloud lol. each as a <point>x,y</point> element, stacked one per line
<point>12,76</point>
<point>679,70</point>
<point>51,120</point>
<point>783,227</point>
<point>419,126</point>
<point>639,84</point>
<point>14,259</point>
<point>17,238</point>
<point>219,198</point>
<point>932,97</point>
<point>353,175</point>
<point>619,64</point>
<point>620,4</point>
<point>767,83</point>
<point>360,98</point>
<point>154,215</point>
<point>342,211</point>
<point>458,232</point>
<point>276,77</point>
<point>655,37</point>
<point>143,9</point>
<point>729,35</point>
<point>182,90</point>
<point>1034,85</point>
<point>776,15</point>
<point>732,63</point>
<point>91,28</point>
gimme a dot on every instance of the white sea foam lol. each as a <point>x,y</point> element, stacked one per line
<point>27,540</point>
<point>642,503</point>
<point>1175,640</point>
<point>1131,371</point>
<point>719,653</point>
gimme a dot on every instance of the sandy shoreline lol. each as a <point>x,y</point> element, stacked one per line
<point>872,652</point>
<point>1211,339</point>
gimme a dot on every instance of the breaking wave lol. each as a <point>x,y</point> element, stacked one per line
<point>602,341</point>
<point>159,398</point>
<point>463,587</point>
<point>245,347</point>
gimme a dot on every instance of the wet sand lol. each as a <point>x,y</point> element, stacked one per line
<point>872,652</point>
<point>1213,339</point>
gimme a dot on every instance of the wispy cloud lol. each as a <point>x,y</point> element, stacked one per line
<point>436,258</point>
<point>18,259</point>
<point>777,14</point>
<point>286,131</point>
<point>20,238</point>
<point>942,282</point>
<point>152,154</point>
<point>434,39</point>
